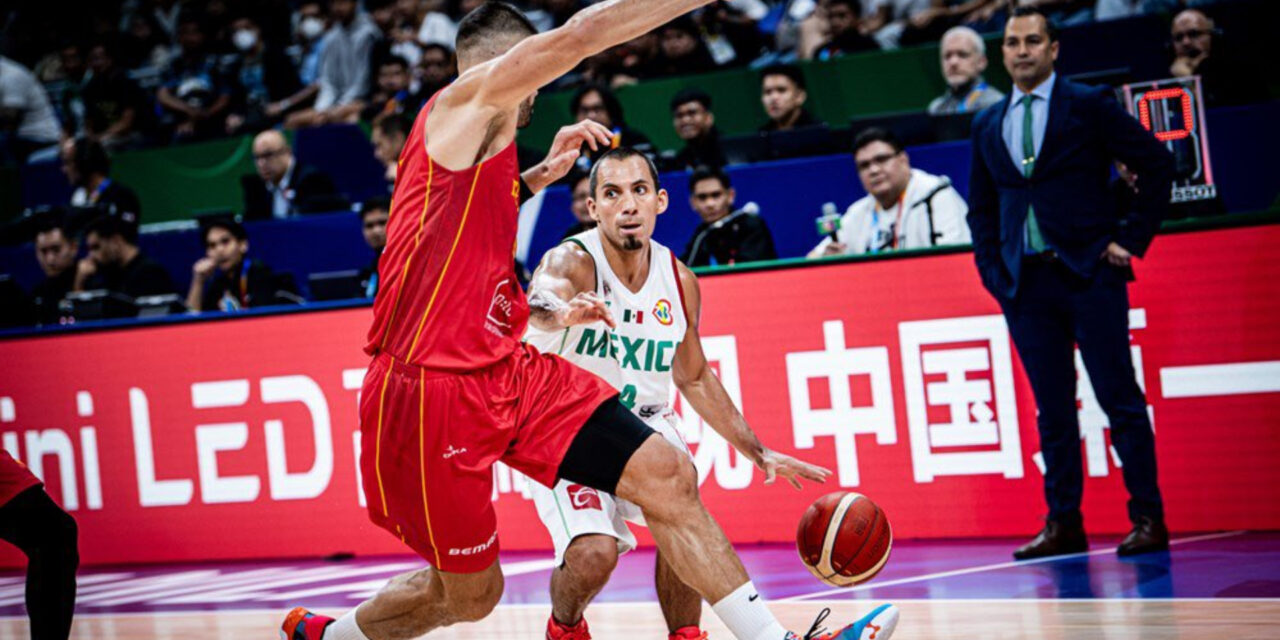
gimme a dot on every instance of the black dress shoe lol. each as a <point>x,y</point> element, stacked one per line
<point>1148,535</point>
<point>1054,540</point>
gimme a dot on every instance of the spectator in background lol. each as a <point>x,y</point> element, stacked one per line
<point>225,279</point>
<point>115,263</point>
<point>343,67</point>
<point>594,102</point>
<point>637,60</point>
<point>145,44</point>
<point>27,120</point>
<point>373,223</point>
<point>904,208</point>
<point>964,58</point>
<point>681,49</point>
<point>726,236</point>
<point>392,94</point>
<point>117,112</point>
<point>390,130</point>
<point>695,124</point>
<point>843,16</point>
<point>1224,80</point>
<point>436,70</point>
<point>268,84</point>
<point>731,31</point>
<point>549,14</point>
<point>312,23</point>
<point>56,251</point>
<point>87,167</point>
<point>782,91</point>
<point>196,91</point>
<point>581,191</point>
<point>281,187</point>
<point>436,27</point>
<point>68,96</point>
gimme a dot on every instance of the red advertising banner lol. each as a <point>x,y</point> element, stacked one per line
<point>238,438</point>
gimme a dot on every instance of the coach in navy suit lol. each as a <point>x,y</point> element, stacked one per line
<point>1054,251</point>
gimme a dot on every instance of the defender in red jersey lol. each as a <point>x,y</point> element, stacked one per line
<point>452,390</point>
<point>31,521</point>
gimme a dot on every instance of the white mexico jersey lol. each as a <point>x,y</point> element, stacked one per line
<point>636,358</point>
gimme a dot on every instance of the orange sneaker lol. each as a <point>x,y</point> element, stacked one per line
<point>301,624</point>
<point>557,631</point>
<point>688,633</point>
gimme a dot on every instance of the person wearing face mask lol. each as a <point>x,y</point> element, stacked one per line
<point>268,86</point>
<point>311,25</point>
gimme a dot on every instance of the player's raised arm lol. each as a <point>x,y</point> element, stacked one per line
<point>540,59</point>
<point>700,386</point>
<point>562,291</point>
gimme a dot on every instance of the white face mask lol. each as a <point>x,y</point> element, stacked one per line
<point>244,39</point>
<point>311,28</point>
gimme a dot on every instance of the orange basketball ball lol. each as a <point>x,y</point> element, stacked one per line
<point>844,539</point>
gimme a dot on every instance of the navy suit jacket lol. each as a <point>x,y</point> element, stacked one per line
<point>1087,130</point>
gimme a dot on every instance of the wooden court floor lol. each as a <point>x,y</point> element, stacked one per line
<point>1146,619</point>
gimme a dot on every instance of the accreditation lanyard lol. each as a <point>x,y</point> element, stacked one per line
<point>897,221</point>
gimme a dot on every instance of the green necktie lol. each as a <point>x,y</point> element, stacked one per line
<point>1035,240</point>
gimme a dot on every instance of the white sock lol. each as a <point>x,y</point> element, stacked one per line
<point>345,628</point>
<point>744,612</point>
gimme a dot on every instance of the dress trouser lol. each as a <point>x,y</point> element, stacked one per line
<point>1053,311</point>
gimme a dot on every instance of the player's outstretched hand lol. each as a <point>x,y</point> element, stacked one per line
<point>586,308</point>
<point>776,464</point>
<point>568,144</point>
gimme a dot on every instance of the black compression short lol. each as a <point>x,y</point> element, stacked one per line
<point>601,450</point>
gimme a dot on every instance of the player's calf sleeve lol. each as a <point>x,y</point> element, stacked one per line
<point>746,615</point>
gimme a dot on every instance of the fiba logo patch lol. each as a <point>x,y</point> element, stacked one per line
<point>584,498</point>
<point>662,311</point>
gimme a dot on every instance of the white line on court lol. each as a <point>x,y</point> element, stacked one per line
<point>1220,379</point>
<point>654,604</point>
<point>992,567</point>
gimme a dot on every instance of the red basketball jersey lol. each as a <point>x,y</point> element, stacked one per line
<point>448,297</point>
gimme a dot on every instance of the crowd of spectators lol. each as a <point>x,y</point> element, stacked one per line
<point>137,72</point>
<point>164,71</point>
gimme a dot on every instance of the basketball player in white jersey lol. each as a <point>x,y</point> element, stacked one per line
<point>648,339</point>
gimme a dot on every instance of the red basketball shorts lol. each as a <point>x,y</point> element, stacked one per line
<point>429,441</point>
<point>14,478</point>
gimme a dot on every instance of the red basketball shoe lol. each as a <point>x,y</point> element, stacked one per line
<point>688,633</point>
<point>301,624</point>
<point>557,631</point>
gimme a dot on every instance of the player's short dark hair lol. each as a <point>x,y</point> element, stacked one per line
<point>393,123</point>
<point>109,226</point>
<point>876,134</point>
<point>612,105</point>
<point>622,153</point>
<point>376,203</point>
<point>692,94</point>
<point>227,223</point>
<point>491,19</point>
<point>1023,12</point>
<point>704,172</point>
<point>789,71</point>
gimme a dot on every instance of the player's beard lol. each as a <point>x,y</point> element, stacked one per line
<point>632,244</point>
<point>525,114</point>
